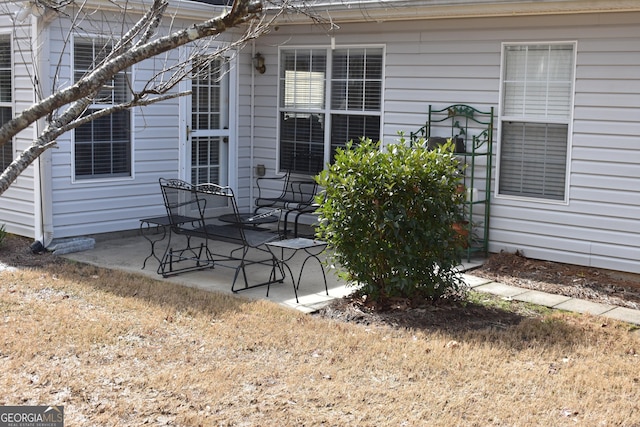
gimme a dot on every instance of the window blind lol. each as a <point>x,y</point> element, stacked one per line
<point>302,79</point>
<point>6,96</point>
<point>533,159</point>
<point>538,81</point>
<point>536,110</point>
<point>102,146</point>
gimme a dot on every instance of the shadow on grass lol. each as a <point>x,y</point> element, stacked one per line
<point>480,318</point>
<point>15,252</point>
<point>161,293</point>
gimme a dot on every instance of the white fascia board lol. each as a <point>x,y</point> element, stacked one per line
<point>179,8</point>
<point>397,10</point>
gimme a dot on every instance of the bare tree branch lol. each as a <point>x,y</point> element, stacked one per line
<point>141,101</point>
<point>136,45</point>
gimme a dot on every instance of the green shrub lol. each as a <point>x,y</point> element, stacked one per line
<point>388,215</point>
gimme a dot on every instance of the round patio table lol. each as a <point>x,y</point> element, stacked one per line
<point>249,219</point>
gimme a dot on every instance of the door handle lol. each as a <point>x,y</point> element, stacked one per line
<point>188,131</point>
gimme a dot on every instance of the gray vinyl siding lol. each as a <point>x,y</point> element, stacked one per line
<point>442,62</point>
<point>92,206</point>
<point>17,203</point>
<point>264,108</point>
<point>245,164</point>
<point>599,226</point>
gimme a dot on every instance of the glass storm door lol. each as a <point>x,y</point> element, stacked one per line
<point>208,130</point>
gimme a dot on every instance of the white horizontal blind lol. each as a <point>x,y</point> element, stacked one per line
<point>302,115</point>
<point>6,97</point>
<point>538,81</point>
<point>303,78</point>
<point>356,95</point>
<point>536,110</point>
<point>533,159</point>
<point>303,89</point>
<point>103,146</point>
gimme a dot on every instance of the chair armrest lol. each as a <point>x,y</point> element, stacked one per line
<point>276,185</point>
<point>262,182</point>
<point>304,191</point>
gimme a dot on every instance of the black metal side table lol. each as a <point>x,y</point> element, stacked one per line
<point>289,248</point>
<point>157,225</point>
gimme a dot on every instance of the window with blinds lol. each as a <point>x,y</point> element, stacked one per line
<point>311,128</point>
<point>537,93</point>
<point>6,97</point>
<point>102,146</point>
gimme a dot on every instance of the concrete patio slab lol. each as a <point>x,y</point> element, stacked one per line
<point>128,254</point>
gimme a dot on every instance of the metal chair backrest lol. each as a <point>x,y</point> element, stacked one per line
<point>181,202</point>
<point>304,190</point>
<point>216,195</point>
<point>295,191</point>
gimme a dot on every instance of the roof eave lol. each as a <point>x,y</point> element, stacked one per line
<point>186,9</point>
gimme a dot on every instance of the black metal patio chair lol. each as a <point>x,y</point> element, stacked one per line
<point>290,193</point>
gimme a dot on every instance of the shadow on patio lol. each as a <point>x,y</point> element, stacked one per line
<point>128,253</point>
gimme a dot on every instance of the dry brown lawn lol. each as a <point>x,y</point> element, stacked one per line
<point>122,350</point>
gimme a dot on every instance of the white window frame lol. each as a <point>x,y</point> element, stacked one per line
<point>327,111</point>
<point>91,179</point>
<point>568,121</point>
<point>8,148</point>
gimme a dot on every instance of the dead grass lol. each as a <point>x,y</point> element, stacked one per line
<point>120,349</point>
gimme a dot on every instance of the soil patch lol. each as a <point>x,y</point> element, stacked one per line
<point>15,251</point>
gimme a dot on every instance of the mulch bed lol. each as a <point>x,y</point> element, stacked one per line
<point>589,283</point>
